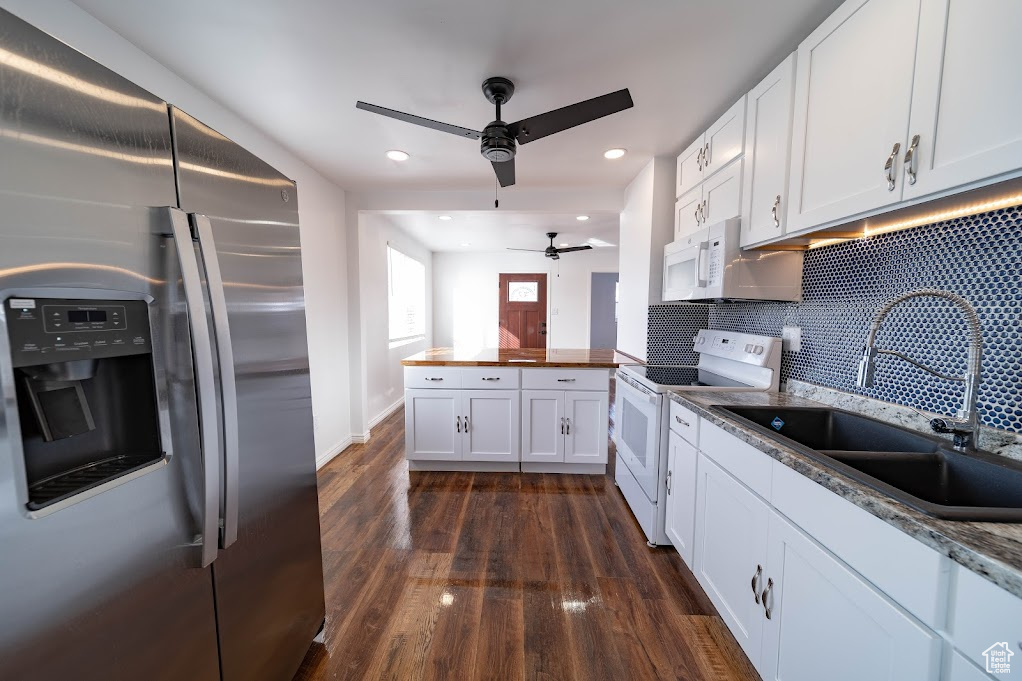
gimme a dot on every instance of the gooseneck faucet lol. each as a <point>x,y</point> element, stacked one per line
<point>965,426</point>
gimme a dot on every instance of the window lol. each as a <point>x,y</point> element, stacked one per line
<point>406,296</point>
<point>523,292</point>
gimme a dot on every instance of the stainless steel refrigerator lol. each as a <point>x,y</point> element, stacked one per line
<point>158,506</point>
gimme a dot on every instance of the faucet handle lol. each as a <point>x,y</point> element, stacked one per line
<point>961,430</point>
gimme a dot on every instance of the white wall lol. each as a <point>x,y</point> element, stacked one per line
<point>384,375</point>
<point>321,203</point>
<point>647,225</point>
<point>466,285</point>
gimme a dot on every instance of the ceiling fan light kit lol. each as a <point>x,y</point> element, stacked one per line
<point>498,141</point>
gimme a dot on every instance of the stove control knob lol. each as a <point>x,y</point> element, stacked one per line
<point>748,347</point>
<point>758,350</point>
<point>700,340</point>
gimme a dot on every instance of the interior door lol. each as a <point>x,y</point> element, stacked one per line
<point>522,306</point>
<point>269,577</point>
<point>586,420</point>
<point>823,615</point>
<point>490,425</point>
<point>969,51</point>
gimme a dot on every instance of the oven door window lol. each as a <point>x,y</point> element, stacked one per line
<point>639,438</point>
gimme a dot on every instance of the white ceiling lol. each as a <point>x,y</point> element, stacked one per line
<point>295,69</point>
<point>496,231</point>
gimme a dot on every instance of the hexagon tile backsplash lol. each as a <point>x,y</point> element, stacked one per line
<point>978,257</point>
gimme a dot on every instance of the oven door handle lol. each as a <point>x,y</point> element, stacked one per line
<point>636,391</point>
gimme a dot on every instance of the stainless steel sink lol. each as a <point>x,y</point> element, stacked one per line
<point>918,470</point>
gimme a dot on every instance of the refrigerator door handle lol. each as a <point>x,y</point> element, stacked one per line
<point>202,349</point>
<point>229,393</point>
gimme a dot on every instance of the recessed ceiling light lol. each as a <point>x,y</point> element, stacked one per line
<point>444,217</point>
<point>397,155</point>
<point>582,218</point>
<point>562,245</point>
<point>614,153</point>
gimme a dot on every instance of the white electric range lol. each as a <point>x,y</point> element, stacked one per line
<point>727,361</point>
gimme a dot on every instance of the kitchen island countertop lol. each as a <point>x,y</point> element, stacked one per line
<point>577,358</point>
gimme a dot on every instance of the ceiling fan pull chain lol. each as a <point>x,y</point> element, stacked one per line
<point>496,202</point>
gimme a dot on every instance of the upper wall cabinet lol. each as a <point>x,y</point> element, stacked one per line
<point>967,97</point>
<point>767,145</point>
<point>722,143</point>
<point>853,92</point>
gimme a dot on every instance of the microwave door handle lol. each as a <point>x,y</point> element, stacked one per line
<point>700,278</point>
<point>202,352</point>
<point>228,383</point>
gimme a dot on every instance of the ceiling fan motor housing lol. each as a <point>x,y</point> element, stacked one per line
<point>496,144</point>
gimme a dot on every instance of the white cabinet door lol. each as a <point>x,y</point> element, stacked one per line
<point>725,140</point>
<point>686,213</point>
<point>681,495</point>
<point>587,421</point>
<point>722,194</point>
<point>433,425</point>
<point>490,425</point>
<point>827,622</point>
<point>543,426</point>
<point>731,552</point>
<point>853,90</point>
<point>967,97</point>
<point>689,171</point>
<point>767,145</point>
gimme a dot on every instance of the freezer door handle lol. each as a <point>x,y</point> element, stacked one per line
<point>229,393</point>
<point>202,349</point>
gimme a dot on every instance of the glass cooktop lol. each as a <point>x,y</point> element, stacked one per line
<point>685,376</point>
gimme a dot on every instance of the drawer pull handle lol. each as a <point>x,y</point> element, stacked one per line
<point>910,163</point>
<point>889,166</point>
<point>682,421</point>
<point>491,378</point>
<point>459,424</point>
<point>767,608</point>
<point>565,380</point>
<point>434,379</point>
<point>755,583</point>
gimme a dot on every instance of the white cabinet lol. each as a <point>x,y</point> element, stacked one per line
<point>853,90</point>
<point>725,139</point>
<point>689,170</point>
<point>722,194</point>
<point>490,425</point>
<point>461,425</point>
<point>767,149</point>
<point>433,425</point>
<point>681,495</point>
<point>981,615</point>
<point>819,615</point>
<point>967,95</point>
<point>731,551</point>
<point>688,213</point>
<point>568,427</point>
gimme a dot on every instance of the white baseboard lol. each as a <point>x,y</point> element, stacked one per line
<point>324,459</point>
<point>360,439</point>
<point>375,421</point>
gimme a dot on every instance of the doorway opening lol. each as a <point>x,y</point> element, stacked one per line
<point>603,301</point>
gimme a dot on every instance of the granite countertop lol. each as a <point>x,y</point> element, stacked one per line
<point>993,550</point>
<point>524,357</point>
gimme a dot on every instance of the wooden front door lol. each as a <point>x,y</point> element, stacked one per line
<point>522,311</point>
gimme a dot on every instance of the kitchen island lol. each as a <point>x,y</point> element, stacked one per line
<point>529,410</point>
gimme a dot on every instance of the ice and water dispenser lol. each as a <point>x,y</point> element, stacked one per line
<point>86,393</point>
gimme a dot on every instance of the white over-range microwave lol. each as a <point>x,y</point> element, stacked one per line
<point>710,265</point>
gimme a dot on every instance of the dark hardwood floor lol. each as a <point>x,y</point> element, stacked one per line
<point>500,576</point>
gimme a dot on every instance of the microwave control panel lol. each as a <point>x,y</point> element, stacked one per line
<point>46,330</point>
<point>715,268</point>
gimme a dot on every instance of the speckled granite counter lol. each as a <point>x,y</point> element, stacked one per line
<point>523,357</point>
<point>993,550</point>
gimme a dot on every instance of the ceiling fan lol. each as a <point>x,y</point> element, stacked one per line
<point>499,140</point>
<point>551,251</point>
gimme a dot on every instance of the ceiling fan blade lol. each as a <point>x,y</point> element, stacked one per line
<point>531,129</point>
<point>419,120</point>
<point>574,248</point>
<point>528,250</point>
<point>505,172</point>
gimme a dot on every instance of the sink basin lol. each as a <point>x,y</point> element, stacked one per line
<point>918,470</point>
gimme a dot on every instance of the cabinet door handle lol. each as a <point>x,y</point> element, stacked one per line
<point>681,421</point>
<point>699,159</point>
<point>459,424</point>
<point>773,211</point>
<point>669,481</point>
<point>697,215</point>
<point>706,155</point>
<point>494,378</point>
<point>562,425</point>
<point>755,583</point>
<point>702,209</point>
<point>767,608</point>
<point>910,163</point>
<point>568,422</point>
<point>889,166</point>
<point>565,380</point>
<point>434,379</point>
<point>466,424</point>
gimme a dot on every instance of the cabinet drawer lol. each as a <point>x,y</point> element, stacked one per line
<point>738,458</point>
<point>489,378</point>
<point>685,423</point>
<point>982,614</point>
<point>917,580</point>
<point>432,377</point>
<point>566,379</point>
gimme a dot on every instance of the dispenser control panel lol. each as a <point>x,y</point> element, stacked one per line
<point>46,330</point>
